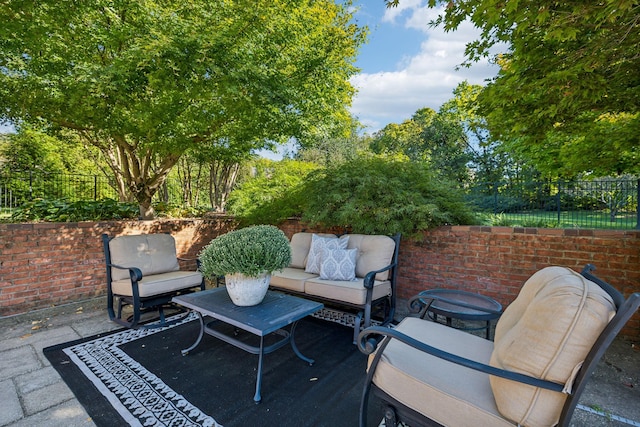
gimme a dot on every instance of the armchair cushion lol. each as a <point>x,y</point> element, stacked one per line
<point>451,395</point>
<point>151,253</point>
<point>546,333</point>
<point>158,284</point>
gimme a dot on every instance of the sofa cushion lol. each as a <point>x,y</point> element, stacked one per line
<point>300,245</point>
<point>151,253</point>
<point>291,279</point>
<point>450,395</point>
<point>352,292</point>
<point>158,284</point>
<point>374,253</point>
<point>546,333</point>
<point>318,243</point>
<point>338,264</point>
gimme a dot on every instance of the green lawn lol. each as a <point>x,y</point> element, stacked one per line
<point>568,219</point>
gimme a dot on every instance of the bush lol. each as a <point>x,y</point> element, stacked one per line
<point>273,195</point>
<point>383,196</point>
<point>64,211</point>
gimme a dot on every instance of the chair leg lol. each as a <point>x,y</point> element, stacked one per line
<point>390,419</point>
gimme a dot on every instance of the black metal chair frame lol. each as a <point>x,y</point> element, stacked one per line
<point>141,305</point>
<point>376,339</point>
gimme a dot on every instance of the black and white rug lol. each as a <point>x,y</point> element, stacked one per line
<point>139,377</point>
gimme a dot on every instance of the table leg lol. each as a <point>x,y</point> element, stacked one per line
<point>295,347</point>
<point>200,335</point>
<point>257,398</point>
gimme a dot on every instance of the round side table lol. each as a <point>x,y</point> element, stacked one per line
<point>462,305</point>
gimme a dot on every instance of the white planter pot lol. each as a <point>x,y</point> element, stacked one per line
<point>247,291</point>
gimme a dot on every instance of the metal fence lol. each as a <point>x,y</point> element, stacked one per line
<point>605,203</point>
<point>18,188</point>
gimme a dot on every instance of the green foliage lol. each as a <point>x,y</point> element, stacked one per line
<point>382,196</point>
<point>145,81</point>
<point>272,194</point>
<point>566,94</point>
<point>63,211</point>
<point>251,251</point>
<point>437,139</point>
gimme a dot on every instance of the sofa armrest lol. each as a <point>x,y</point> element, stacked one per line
<point>368,344</point>
<point>370,277</point>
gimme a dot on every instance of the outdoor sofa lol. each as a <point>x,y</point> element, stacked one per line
<point>354,275</point>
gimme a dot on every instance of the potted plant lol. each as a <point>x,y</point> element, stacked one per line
<point>246,258</point>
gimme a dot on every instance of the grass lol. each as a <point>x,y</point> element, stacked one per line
<point>567,219</point>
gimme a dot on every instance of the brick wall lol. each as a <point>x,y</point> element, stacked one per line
<point>48,264</point>
<point>496,261</point>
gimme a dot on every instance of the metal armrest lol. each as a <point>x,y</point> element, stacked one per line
<point>370,277</point>
<point>134,272</point>
<point>367,344</point>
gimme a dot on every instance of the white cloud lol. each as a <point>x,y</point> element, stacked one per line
<point>426,79</point>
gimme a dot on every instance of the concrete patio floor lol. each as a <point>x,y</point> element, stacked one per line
<point>33,394</point>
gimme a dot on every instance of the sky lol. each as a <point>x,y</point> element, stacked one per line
<point>406,65</point>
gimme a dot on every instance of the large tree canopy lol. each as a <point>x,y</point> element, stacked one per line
<point>144,81</point>
<point>566,96</point>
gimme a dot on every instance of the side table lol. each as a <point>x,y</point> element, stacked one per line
<point>457,304</point>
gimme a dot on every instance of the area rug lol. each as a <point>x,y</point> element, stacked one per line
<point>140,377</point>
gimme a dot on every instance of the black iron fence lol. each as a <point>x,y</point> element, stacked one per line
<point>603,203</point>
<point>17,188</point>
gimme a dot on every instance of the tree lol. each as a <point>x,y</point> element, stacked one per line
<point>433,138</point>
<point>145,81</point>
<point>569,80</point>
<point>327,150</point>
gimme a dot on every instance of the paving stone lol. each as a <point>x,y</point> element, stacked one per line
<point>10,403</point>
<point>68,414</point>
<point>18,361</point>
<point>32,381</point>
<point>46,397</point>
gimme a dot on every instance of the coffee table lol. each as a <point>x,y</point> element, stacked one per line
<point>276,311</point>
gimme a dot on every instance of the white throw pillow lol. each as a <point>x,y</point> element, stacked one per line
<point>315,251</point>
<point>338,264</point>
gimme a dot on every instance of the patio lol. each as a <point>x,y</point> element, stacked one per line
<point>32,392</point>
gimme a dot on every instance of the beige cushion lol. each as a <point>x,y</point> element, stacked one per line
<point>448,393</point>
<point>159,283</point>
<point>546,333</point>
<point>300,245</point>
<point>318,245</point>
<point>151,253</point>
<point>291,279</point>
<point>374,253</point>
<point>352,292</point>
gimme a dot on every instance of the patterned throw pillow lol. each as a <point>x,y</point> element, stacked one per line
<point>315,251</point>
<point>338,264</point>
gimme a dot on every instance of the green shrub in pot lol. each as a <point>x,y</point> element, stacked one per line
<point>251,251</point>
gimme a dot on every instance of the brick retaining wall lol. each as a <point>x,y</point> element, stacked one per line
<point>48,264</point>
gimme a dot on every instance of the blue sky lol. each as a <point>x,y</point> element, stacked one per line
<point>406,65</point>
